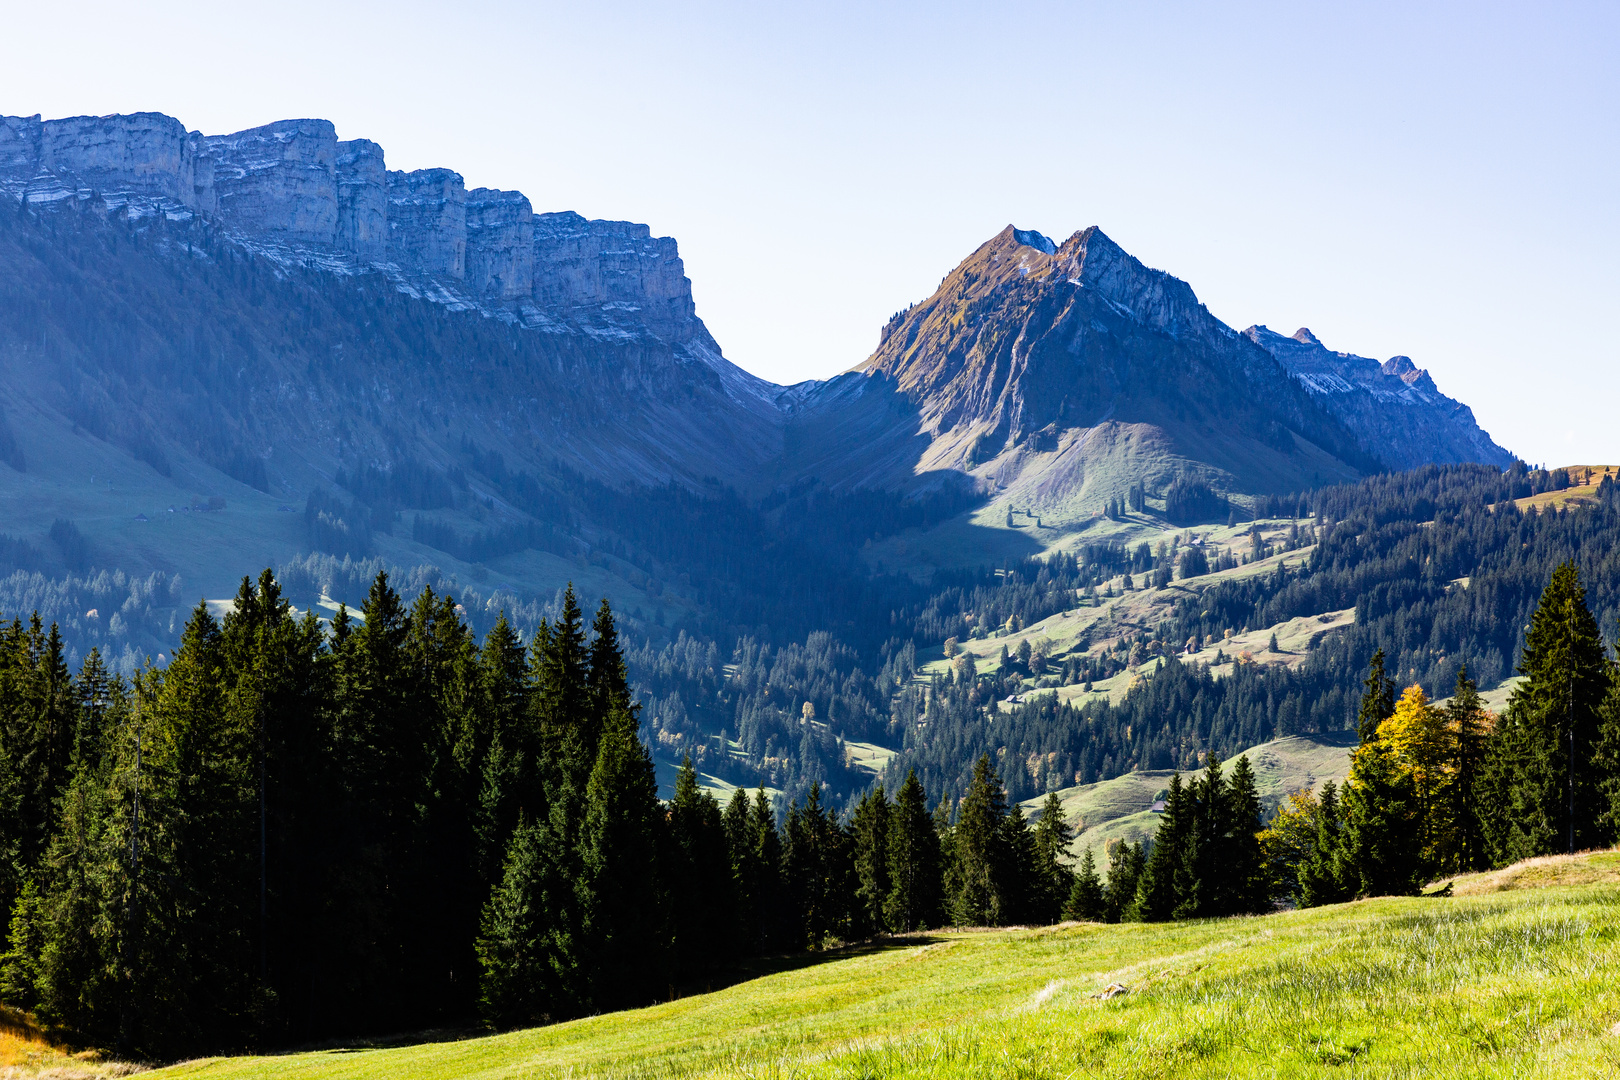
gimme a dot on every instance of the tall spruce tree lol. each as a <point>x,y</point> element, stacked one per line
<point>1197,874</point>
<point>698,873</point>
<point>1471,734</point>
<point>869,835</point>
<point>1377,699</point>
<point>625,924</point>
<point>776,928</point>
<point>1086,901</point>
<point>1245,885</point>
<point>1157,896</point>
<point>746,934</point>
<point>1052,879</point>
<point>817,871</point>
<point>1379,852</point>
<point>1320,880</point>
<point>1126,864</point>
<point>983,868</point>
<point>914,872</point>
<point>1551,735</point>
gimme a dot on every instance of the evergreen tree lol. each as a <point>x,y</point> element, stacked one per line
<point>504,748</point>
<point>1021,889</point>
<point>913,862</point>
<point>1379,852</point>
<point>1197,873</point>
<point>625,912</point>
<point>1086,901</point>
<point>518,984</point>
<point>1319,875</point>
<point>1246,886</point>
<point>869,834</point>
<point>746,877</point>
<point>816,871</point>
<point>776,929</point>
<point>1126,865</point>
<point>1053,879</point>
<point>981,865</point>
<point>1551,734</point>
<point>74,974</point>
<point>1470,740</point>
<point>1157,897</point>
<point>1377,699</point>
<point>699,877</point>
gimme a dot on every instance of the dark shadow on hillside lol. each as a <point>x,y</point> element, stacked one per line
<point>745,971</point>
<point>1344,740</point>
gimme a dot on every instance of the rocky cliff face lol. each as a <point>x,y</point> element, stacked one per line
<point>293,190</point>
<point>278,181</point>
<point>1395,409</point>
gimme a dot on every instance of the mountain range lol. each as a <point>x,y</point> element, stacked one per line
<point>273,321</point>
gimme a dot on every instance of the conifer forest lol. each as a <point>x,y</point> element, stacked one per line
<point>293,830</point>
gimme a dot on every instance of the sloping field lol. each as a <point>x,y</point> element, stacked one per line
<point>1522,983</point>
<point>1121,808</point>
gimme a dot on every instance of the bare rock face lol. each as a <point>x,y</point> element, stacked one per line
<point>293,189</point>
<point>500,244</point>
<point>1394,408</point>
<point>427,221</point>
<point>19,144</point>
<point>609,270</point>
<point>278,180</point>
<point>362,195</point>
<point>144,154</point>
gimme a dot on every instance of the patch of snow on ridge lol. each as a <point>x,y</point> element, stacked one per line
<point>1323,383</point>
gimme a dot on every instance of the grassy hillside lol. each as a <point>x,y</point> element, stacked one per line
<point>1119,808</point>
<point>1521,982</point>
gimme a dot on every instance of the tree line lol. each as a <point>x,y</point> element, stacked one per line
<point>293,830</point>
<point>1436,791</point>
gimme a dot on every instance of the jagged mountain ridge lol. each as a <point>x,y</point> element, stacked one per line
<point>1395,409</point>
<point>277,308</point>
<point>1056,375</point>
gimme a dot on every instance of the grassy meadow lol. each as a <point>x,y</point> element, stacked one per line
<point>1515,974</point>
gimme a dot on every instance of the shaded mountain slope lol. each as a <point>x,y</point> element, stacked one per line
<point>1394,408</point>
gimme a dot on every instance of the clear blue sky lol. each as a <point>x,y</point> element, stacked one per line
<point>1434,180</point>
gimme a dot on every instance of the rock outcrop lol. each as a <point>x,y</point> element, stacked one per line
<point>1394,408</point>
<point>427,221</point>
<point>292,189</point>
<point>362,195</point>
<point>278,182</point>
<point>500,244</point>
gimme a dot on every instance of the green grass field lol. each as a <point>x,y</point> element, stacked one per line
<point>1519,976</point>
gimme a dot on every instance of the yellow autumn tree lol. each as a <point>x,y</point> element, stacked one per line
<point>1423,744</point>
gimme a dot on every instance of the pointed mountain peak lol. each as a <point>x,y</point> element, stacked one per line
<point>1304,336</point>
<point>1399,365</point>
